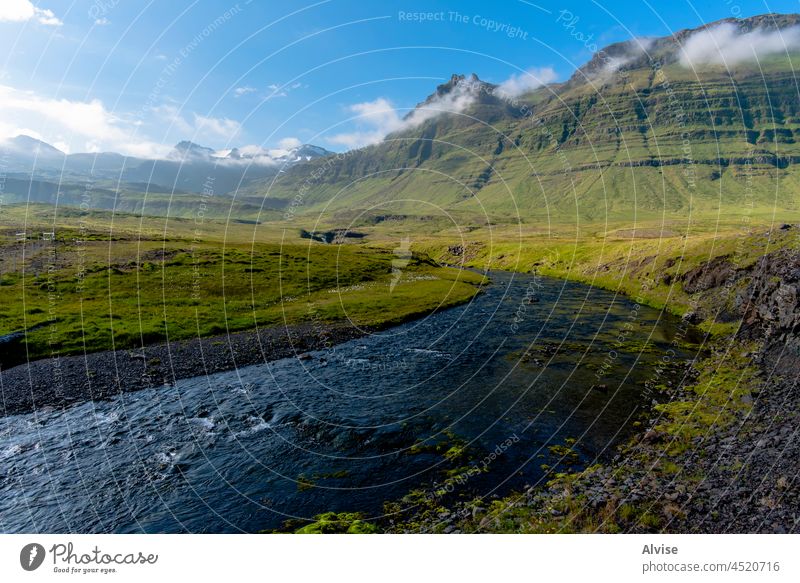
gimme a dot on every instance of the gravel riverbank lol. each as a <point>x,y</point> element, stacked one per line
<point>62,381</point>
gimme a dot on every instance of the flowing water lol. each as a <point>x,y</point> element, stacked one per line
<point>246,450</point>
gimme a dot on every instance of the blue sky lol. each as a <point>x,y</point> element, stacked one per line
<point>137,77</point>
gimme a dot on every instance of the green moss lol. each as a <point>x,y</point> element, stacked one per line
<point>563,451</point>
<point>339,523</point>
<point>719,396</point>
<point>304,484</point>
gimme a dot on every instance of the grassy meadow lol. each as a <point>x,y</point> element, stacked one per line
<point>123,280</point>
<point>129,282</point>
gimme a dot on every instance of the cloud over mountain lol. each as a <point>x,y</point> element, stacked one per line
<point>379,118</point>
<point>531,79</point>
<point>725,44</point>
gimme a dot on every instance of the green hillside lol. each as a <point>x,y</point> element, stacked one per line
<point>653,138</point>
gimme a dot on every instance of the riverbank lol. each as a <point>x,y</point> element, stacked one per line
<point>77,333</point>
<point>61,381</point>
<point>64,381</point>
<point>720,450</point>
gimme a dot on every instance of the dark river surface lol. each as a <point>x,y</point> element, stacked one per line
<point>238,451</point>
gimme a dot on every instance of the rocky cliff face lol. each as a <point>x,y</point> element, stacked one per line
<point>770,302</point>
<point>765,296</point>
<point>770,309</point>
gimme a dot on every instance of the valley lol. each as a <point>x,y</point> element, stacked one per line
<point>605,270</point>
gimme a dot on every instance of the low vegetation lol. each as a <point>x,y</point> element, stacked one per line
<point>84,292</point>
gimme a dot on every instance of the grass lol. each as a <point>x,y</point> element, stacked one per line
<point>338,523</point>
<point>81,294</point>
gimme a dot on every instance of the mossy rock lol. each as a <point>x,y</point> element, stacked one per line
<point>339,523</point>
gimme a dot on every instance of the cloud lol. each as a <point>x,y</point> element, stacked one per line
<point>376,119</point>
<point>276,90</point>
<point>239,91</point>
<point>77,125</point>
<point>216,127</point>
<point>379,118</point>
<point>102,22</point>
<point>87,126</point>
<point>289,143</point>
<point>455,101</point>
<point>725,44</point>
<point>24,10</point>
<point>531,79</point>
<point>257,155</point>
<point>624,54</point>
<point>198,127</point>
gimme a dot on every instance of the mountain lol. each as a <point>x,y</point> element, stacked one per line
<point>38,172</point>
<point>688,125</point>
<point>647,128</point>
<point>187,150</point>
<point>28,148</point>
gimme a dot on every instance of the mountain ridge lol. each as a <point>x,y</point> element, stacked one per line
<point>185,169</point>
<point>570,149</point>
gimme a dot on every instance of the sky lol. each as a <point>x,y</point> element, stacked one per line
<point>138,76</point>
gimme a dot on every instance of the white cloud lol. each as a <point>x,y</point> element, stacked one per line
<point>220,128</point>
<point>257,155</point>
<point>24,10</point>
<point>197,127</point>
<point>239,91</point>
<point>289,143</point>
<point>87,126</point>
<point>275,90</point>
<point>531,79</point>
<point>376,119</point>
<point>725,44</point>
<point>630,51</point>
<point>78,126</point>
<point>379,118</point>
<point>171,115</point>
<point>455,101</point>
<point>102,22</point>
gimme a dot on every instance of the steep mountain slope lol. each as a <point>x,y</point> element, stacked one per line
<point>637,131</point>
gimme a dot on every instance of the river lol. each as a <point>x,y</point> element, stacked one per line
<point>245,450</point>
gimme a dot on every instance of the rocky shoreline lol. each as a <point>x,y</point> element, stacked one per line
<point>66,380</point>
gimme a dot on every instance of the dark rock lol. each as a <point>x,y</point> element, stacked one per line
<point>709,275</point>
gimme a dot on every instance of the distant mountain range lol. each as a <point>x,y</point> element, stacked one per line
<point>37,171</point>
